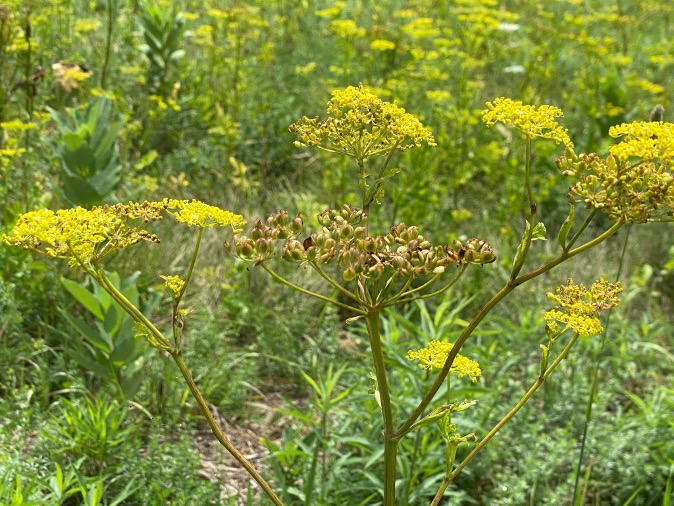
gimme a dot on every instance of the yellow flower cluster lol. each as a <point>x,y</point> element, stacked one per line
<point>530,120</point>
<point>174,285</point>
<point>197,214</point>
<point>382,45</point>
<point>648,140</point>
<point>84,236</point>
<point>435,355</point>
<point>578,308</point>
<point>361,125</point>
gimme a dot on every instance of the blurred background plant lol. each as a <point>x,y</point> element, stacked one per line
<point>195,99</point>
<point>86,146</point>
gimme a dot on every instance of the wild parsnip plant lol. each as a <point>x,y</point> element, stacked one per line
<point>370,271</point>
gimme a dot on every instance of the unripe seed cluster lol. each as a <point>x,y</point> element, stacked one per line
<point>343,239</point>
<point>638,192</point>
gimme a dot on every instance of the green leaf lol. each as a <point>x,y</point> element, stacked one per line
<point>73,141</point>
<point>299,415</point>
<point>519,256</point>
<point>130,290</point>
<point>566,226</point>
<point>60,120</point>
<point>130,386</point>
<point>84,297</point>
<point>312,382</point>
<point>434,416</point>
<point>539,232</point>
<point>89,364</point>
<point>96,339</point>
<point>79,192</point>
<point>124,351</point>
<point>113,319</point>
<point>147,159</point>
<point>446,426</point>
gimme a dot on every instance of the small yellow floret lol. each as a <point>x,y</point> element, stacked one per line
<point>174,285</point>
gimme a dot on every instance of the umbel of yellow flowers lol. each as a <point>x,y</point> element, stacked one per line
<point>530,120</point>
<point>361,125</point>
<point>578,308</point>
<point>85,236</point>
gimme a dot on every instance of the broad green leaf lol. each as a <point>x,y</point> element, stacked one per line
<point>113,319</point>
<point>84,297</point>
<point>130,386</point>
<point>124,351</point>
<point>89,364</point>
<point>98,340</point>
<point>79,192</point>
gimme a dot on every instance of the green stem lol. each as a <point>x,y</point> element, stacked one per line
<point>431,294</point>
<point>108,43</point>
<point>390,454</point>
<point>582,228</point>
<point>390,443</point>
<point>498,296</point>
<point>527,175</point>
<point>532,213</point>
<point>190,269</point>
<point>99,275</point>
<point>539,381</point>
<point>210,420</point>
<point>310,293</point>
<point>566,255</point>
<point>394,300</point>
<point>334,283</point>
<point>595,375</point>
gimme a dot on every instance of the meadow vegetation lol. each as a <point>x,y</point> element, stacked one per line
<point>377,127</point>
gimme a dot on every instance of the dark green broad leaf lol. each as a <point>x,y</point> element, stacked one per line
<point>125,351</point>
<point>99,340</point>
<point>84,297</point>
<point>79,192</point>
<point>98,369</point>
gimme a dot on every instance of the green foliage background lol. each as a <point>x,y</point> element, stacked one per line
<point>200,96</point>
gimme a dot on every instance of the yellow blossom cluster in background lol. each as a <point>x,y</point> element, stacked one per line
<point>578,308</point>
<point>530,120</point>
<point>435,355</point>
